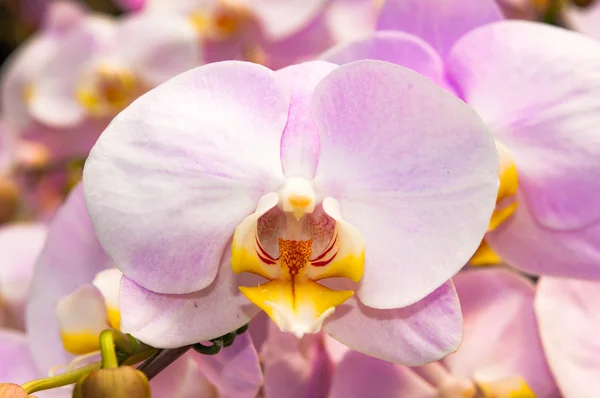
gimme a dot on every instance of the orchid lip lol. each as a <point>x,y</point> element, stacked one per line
<point>292,296</point>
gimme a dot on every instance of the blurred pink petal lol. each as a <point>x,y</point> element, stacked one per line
<point>567,312</point>
<point>585,20</point>
<point>392,46</point>
<point>359,376</point>
<point>20,245</point>
<point>72,257</point>
<point>352,19</point>
<point>501,337</point>
<point>440,24</point>
<point>235,371</point>
<point>295,368</point>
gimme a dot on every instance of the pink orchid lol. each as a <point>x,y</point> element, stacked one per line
<point>20,244</point>
<point>501,354</point>
<point>538,89</point>
<point>567,312</point>
<point>308,173</point>
<point>272,32</point>
<point>62,90</point>
<point>74,296</point>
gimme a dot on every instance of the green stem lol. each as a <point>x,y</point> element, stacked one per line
<point>112,340</point>
<point>61,380</point>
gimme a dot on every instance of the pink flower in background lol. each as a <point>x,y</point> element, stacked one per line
<point>272,32</point>
<point>313,167</point>
<point>538,89</point>
<point>20,244</point>
<point>567,312</point>
<point>62,90</point>
<point>585,20</point>
<point>501,354</point>
<point>74,296</point>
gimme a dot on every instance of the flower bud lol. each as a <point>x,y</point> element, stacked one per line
<point>123,382</point>
<point>9,390</point>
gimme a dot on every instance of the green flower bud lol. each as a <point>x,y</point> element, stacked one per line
<point>123,382</point>
<point>9,390</point>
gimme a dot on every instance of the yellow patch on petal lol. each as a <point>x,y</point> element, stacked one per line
<point>514,387</point>
<point>485,255</point>
<point>81,342</point>
<point>247,254</point>
<point>28,93</point>
<point>506,203</point>
<point>296,307</point>
<point>221,23</point>
<point>114,317</point>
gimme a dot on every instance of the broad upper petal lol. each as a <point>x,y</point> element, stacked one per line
<point>174,174</point>
<point>414,170</point>
<point>567,313</point>
<point>358,375</point>
<point>523,243</point>
<point>423,332</point>
<point>175,320</point>
<point>501,337</point>
<point>392,46</point>
<point>440,23</point>
<point>72,257</point>
<point>20,245</point>
<point>538,88</point>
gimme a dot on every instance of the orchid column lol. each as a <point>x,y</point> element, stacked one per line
<point>322,180</point>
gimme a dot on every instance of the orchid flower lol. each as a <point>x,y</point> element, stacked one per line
<point>9,190</point>
<point>66,98</point>
<point>286,179</point>
<point>501,354</point>
<point>75,295</point>
<point>272,32</point>
<point>20,244</point>
<point>538,89</point>
<point>567,313</point>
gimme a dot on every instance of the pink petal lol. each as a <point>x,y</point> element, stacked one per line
<point>280,19</point>
<point>16,364</point>
<point>174,174</point>
<point>567,312</point>
<point>414,170</point>
<point>538,88</point>
<point>169,320</point>
<point>158,47</point>
<point>20,245</point>
<point>500,331</point>
<point>440,24</point>
<point>526,245</point>
<point>235,371</point>
<point>183,378</point>
<point>53,101</point>
<point>300,140</point>
<point>395,47</point>
<point>359,375</point>
<point>62,15</point>
<point>352,19</point>
<point>18,73</point>
<point>584,20</point>
<point>423,332</point>
<point>72,257</point>
<point>295,368</point>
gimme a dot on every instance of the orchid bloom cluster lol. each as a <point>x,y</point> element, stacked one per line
<point>317,198</point>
